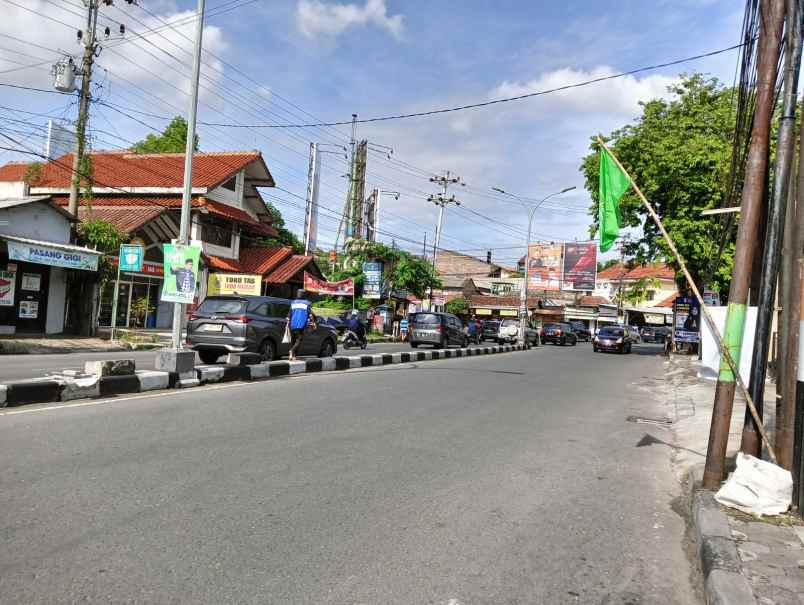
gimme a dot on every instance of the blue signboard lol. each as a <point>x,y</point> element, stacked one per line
<point>372,285</point>
<point>69,257</point>
<point>131,258</point>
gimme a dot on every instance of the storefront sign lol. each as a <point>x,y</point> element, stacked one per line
<point>55,257</point>
<point>580,266</point>
<point>245,284</point>
<point>657,320</point>
<point>711,298</point>
<point>181,273</point>
<point>686,319</point>
<point>31,281</point>
<point>345,287</point>
<point>7,282</point>
<point>131,257</point>
<point>508,313</point>
<point>544,267</point>
<point>148,268</point>
<point>482,311</point>
<point>372,285</point>
<point>29,309</point>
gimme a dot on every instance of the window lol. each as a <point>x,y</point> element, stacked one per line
<point>258,308</point>
<point>216,235</point>
<point>651,294</point>
<point>231,184</point>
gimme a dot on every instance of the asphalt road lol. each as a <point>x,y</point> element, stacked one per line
<point>19,367</point>
<point>507,479</point>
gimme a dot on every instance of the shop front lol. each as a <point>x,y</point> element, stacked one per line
<point>138,304</point>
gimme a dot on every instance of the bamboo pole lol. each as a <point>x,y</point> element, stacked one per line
<point>704,311</point>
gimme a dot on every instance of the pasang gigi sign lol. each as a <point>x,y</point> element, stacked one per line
<point>55,257</point>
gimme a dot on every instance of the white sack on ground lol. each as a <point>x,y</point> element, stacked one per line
<point>757,487</point>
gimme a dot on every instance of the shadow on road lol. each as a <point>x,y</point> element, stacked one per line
<point>649,439</point>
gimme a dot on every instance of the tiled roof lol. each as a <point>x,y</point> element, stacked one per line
<point>126,169</point>
<point>594,301</point>
<point>238,215</point>
<point>225,264</point>
<point>667,302</point>
<point>285,271</point>
<point>125,218</point>
<point>13,171</point>
<point>612,272</point>
<point>657,270</point>
<point>263,260</point>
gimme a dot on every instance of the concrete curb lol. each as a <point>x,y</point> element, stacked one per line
<point>46,390</point>
<point>724,583</point>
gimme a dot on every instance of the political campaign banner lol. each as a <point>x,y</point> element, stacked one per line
<point>181,273</point>
<point>580,266</point>
<point>372,284</point>
<point>245,284</point>
<point>544,267</point>
<point>8,280</point>
<point>344,287</point>
<point>686,319</point>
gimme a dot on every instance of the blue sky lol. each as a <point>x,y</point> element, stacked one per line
<point>318,59</point>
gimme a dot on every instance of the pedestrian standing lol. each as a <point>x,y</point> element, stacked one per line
<point>403,329</point>
<point>298,317</point>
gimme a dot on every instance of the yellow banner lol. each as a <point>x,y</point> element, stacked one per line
<point>244,284</point>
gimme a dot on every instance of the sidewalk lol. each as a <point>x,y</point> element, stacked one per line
<point>127,340</point>
<point>765,556</point>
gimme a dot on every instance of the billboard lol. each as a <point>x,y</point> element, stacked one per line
<point>544,267</point>
<point>372,285</point>
<point>686,319</point>
<point>181,273</point>
<point>345,287</point>
<point>246,284</point>
<point>580,266</point>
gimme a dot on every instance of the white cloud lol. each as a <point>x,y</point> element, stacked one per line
<point>620,96</point>
<point>314,17</point>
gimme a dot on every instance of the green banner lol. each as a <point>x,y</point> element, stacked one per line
<point>181,273</point>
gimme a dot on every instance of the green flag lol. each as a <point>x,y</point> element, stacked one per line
<point>613,183</point>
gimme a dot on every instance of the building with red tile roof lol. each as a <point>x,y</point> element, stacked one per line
<point>658,281</point>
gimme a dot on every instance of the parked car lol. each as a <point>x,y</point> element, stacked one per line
<point>509,332</point>
<point>437,329</point>
<point>489,330</point>
<point>657,334</point>
<point>614,338</point>
<point>581,331</point>
<point>255,324</point>
<point>559,334</point>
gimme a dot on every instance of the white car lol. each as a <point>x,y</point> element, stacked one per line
<point>509,332</point>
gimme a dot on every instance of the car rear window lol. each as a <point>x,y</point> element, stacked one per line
<point>222,306</point>
<point>425,319</point>
<point>510,322</point>
<point>611,332</point>
<point>552,327</point>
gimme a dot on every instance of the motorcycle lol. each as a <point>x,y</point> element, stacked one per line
<point>351,340</point>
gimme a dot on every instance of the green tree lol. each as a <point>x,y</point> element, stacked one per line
<point>679,152</point>
<point>603,265</point>
<point>416,275</point>
<point>172,140</point>
<point>284,237</point>
<point>458,306</point>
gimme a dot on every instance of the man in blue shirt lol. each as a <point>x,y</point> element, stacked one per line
<point>298,317</point>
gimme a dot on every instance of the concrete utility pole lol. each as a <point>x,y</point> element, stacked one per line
<point>91,47</point>
<point>311,211</point>
<point>441,200</point>
<point>785,153</point>
<point>186,198</point>
<point>772,17</point>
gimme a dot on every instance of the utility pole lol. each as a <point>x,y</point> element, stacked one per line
<point>622,277</point>
<point>311,211</point>
<point>785,153</point>
<point>441,200</point>
<point>186,198</point>
<point>772,17</point>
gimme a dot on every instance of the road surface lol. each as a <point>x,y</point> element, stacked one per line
<point>19,367</point>
<point>505,479</point>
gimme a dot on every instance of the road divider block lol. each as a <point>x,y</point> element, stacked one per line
<point>296,367</point>
<point>152,380</point>
<point>328,364</point>
<point>208,374</point>
<point>33,391</point>
<point>118,385</point>
<point>313,365</point>
<point>396,357</point>
<point>366,361</point>
<point>80,388</point>
<point>258,371</point>
<point>3,391</point>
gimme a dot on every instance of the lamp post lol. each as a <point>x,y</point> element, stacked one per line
<point>523,292</point>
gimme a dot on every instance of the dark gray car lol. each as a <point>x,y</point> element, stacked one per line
<point>256,324</point>
<point>437,329</point>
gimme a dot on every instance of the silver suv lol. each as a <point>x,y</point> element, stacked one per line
<point>234,324</point>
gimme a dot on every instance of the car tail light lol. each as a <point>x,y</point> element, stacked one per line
<point>193,317</point>
<point>439,328</point>
<point>243,319</point>
<point>558,332</point>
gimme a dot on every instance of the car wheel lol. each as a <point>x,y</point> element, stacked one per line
<point>208,356</point>
<point>327,349</point>
<point>267,350</point>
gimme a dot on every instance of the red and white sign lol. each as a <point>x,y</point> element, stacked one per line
<point>345,287</point>
<point>148,268</point>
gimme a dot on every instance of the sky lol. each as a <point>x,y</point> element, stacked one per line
<point>283,62</point>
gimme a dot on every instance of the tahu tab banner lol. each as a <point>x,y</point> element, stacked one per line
<point>181,273</point>
<point>344,287</point>
<point>544,267</point>
<point>245,284</point>
<point>580,266</point>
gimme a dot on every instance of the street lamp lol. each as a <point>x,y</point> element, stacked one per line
<point>523,293</point>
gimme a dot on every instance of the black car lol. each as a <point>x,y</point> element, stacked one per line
<point>655,334</point>
<point>559,334</point>
<point>489,330</point>
<point>438,329</point>
<point>618,339</point>
<point>256,324</point>
<point>581,331</point>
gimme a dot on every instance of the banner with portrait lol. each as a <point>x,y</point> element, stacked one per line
<point>544,267</point>
<point>580,266</point>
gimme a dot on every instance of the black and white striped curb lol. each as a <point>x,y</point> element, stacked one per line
<point>51,390</point>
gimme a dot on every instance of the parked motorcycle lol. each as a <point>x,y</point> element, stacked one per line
<point>350,340</point>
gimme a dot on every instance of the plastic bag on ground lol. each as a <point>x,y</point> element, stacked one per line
<point>757,487</point>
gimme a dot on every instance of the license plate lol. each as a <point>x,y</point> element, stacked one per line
<point>211,328</point>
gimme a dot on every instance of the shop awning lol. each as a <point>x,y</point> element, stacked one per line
<point>53,254</point>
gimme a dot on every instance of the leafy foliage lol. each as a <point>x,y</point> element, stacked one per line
<point>416,275</point>
<point>603,265</point>
<point>172,140</point>
<point>285,237</point>
<point>33,174</point>
<point>679,153</point>
<point>458,306</point>
<point>637,292</point>
<point>104,236</point>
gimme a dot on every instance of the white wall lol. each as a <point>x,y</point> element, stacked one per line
<point>13,189</point>
<point>56,301</point>
<point>37,220</point>
<point>710,353</point>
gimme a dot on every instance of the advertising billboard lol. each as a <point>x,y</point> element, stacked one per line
<point>372,285</point>
<point>544,267</point>
<point>246,284</point>
<point>580,266</point>
<point>344,287</point>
